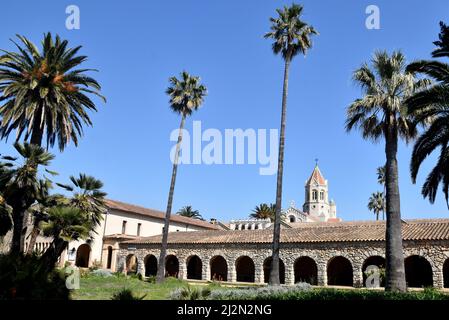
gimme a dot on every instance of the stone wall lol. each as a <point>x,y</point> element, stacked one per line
<point>435,252</point>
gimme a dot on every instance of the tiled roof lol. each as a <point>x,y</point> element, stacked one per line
<point>126,207</point>
<point>316,177</point>
<point>360,231</point>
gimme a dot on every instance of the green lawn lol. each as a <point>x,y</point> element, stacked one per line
<point>102,288</point>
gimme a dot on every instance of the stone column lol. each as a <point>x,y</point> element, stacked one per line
<point>322,274</point>
<point>232,274</point>
<point>205,272</point>
<point>438,281</point>
<point>258,273</point>
<point>182,274</point>
<point>289,274</point>
<point>357,276</point>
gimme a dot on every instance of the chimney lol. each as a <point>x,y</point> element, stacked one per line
<point>213,221</point>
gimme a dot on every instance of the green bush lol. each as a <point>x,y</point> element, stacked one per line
<point>292,293</point>
<point>24,277</point>
<point>126,294</point>
<point>190,293</point>
<point>151,279</point>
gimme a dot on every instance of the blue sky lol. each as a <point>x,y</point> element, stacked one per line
<point>138,45</point>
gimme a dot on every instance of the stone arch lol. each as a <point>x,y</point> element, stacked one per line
<point>377,261</point>
<point>339,272</point>
<point>218,268</point>
<point>83,256</point>
<point>267,270</point>
<point>109,261</point>
<point>150,265</point>
<point>245,269</point>
<point>171,266</point>
<point>418,272</point>
<point>306,270</point>
<point>194,267</point>
<point>446,273</point>
<point>131,264</point>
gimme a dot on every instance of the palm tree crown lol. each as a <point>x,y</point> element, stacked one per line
<point>386,86</point>
<point>432,105</point>
<point>264,211</point>
<point>43,93</point>
<point>186,94</point>
<point>376,203</point>
<point>188,211</point>
<point>291,35</point>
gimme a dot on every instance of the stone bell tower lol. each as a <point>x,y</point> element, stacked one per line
<point>317,197</point>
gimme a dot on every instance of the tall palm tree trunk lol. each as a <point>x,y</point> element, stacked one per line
<point>274,274</point>
<point>395,270</point>
<point>36,139</point>
<point>161,264</point>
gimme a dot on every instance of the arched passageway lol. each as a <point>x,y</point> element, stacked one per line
<point>171,266</point>
<point>369,270</point>
<point>109,261</point>
<point>131,264</point>
<point>267,270</point>
<point>150,265</point>
<point>218,269</point>
<point>306,270</point>
<point>245,269</point>
<point>82,256</point>
<point>418,272</point>
<point>339,272</point>
<point>194,268</point>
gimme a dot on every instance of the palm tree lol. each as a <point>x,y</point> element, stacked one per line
<point>43,94</point>
<point>19,186</point>
<point>264,211</point>
<point>89,201</point>
<point>187,211</point>
<point>432,105</point>
<point>376,203</point>
<point>291,37</point>
<point>186,95</point>
<point>381,113</point>
<point>64,224</point>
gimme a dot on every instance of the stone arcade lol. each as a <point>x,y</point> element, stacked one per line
<point>319,253</point>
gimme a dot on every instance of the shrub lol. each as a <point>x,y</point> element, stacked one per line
<point>24,277</point>
<point>151,279</point>
<point>102,273</point>
<point>190,293</point>
<point>126,294</point>
<point>95,265</point>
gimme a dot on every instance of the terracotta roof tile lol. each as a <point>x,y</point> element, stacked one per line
<point>316,177</point>
<point>126,207</point>
<point>435,229</point>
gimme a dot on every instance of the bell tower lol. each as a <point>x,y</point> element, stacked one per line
<point>317,197</point>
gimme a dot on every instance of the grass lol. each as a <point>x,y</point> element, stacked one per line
<point>94,287</point>
<point>102,288</point>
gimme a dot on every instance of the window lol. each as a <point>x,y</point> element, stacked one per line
<point>124,227</point>
<point>321,195</point>
<point>139,225</point>
<point>256,227</point>
<point>314,195</point>
<point>236,227</point>
<point>292,219</point>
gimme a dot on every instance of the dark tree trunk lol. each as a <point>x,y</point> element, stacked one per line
<point>36,139</point>
<point>18,235</point>
<point>395,271</point>
<point>161,263</point>
<point>274,274</point>
<point>38,131</point>
<point>33,236</point>
<point>54,251</point>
